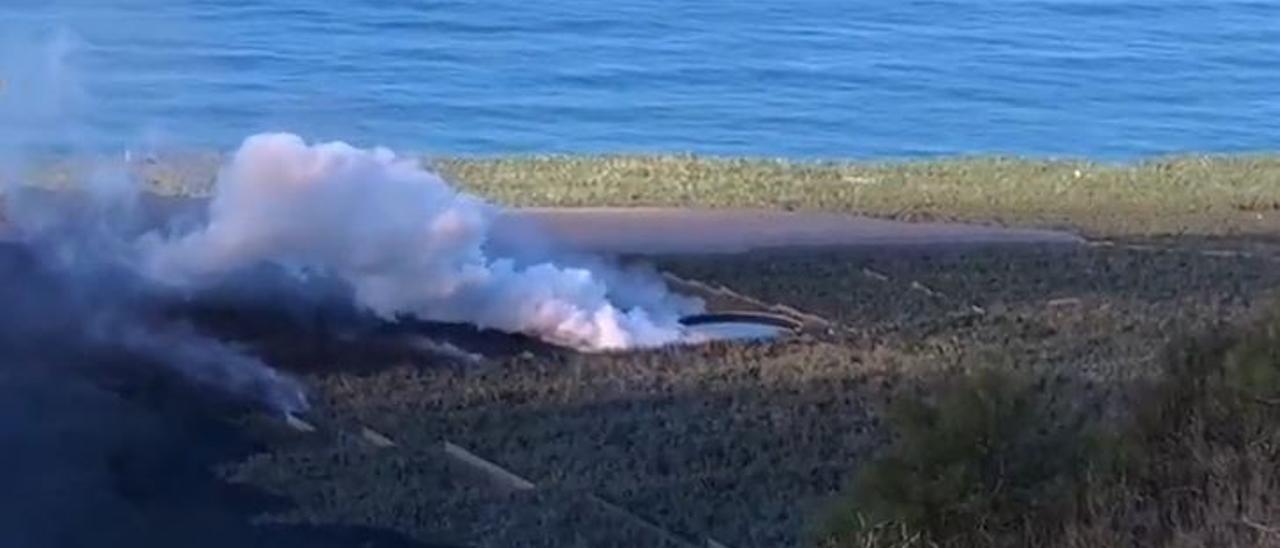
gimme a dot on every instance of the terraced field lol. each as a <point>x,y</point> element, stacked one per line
<point>739,443</point>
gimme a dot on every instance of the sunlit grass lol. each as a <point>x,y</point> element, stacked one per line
<point>1194,194</point>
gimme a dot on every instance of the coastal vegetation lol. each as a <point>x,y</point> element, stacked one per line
<point>1201,196</point>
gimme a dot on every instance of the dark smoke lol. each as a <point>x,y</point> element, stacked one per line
<point>76,245</point>
<point>113,411</point>
<point>106,444</point>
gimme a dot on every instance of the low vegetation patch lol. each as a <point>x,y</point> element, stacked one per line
<point>995,458</point>
<point>986,456</point>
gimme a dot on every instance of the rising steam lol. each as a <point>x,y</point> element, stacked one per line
<point>406,242</point>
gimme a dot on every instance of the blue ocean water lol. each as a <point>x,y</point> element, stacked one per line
<point>1109,79</point>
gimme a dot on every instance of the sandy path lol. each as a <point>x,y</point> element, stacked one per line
<point>676,230</point>
<point>672,230</point>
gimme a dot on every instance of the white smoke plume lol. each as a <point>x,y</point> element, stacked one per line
<point>407,243</point>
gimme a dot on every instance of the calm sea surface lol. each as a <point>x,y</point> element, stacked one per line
<point>799,78</point>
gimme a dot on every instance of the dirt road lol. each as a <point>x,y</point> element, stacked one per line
<point>682,231</point>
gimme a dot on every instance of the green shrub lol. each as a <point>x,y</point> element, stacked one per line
<point>1200,457</point>
<point>992,451</point>
<point>997,459</point>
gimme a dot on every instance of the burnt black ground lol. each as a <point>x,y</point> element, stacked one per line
<point>102,448</point>
<point>84,466</point>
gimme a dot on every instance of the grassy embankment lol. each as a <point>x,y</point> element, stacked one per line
<point>1205,196</point>
<point>1192,195</point>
